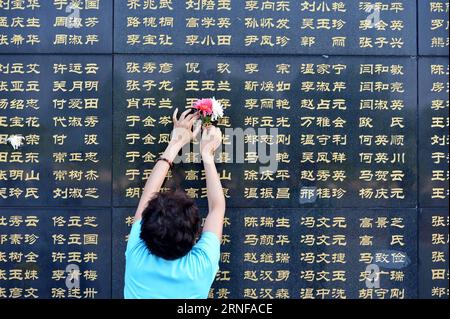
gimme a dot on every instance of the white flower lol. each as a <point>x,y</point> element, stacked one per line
<point>217,110</point>
<point>16,141</point>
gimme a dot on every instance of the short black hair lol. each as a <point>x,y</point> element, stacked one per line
<point>170,225</point>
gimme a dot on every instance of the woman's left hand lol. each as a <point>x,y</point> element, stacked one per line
<point>182,132</point>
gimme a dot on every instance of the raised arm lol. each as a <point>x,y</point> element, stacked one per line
<point>181,135</point>
<point>211,140</point>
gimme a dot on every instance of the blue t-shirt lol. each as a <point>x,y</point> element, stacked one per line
<point>151,277</point>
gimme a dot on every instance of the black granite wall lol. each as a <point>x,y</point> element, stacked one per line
<point>353,95</point>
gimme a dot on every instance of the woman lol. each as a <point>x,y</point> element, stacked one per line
<point>163,257</point>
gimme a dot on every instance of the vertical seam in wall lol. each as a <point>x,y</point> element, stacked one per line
<point>417,150</point>
<point>112,149</point>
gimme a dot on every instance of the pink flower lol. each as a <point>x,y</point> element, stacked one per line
<point>204,106</point>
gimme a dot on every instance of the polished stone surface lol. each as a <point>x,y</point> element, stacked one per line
<point>345,126</point>
<point>62,106</point>
<point>56,26</point>
<point>433,253</point>
<point>275,27</point>
<point>305,253</point>
<point>359,101</point>
<point>433,132</point>
<point>48,248</point>
<point>433,27</point>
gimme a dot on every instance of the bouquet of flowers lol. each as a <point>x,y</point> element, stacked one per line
<point>210,110</point>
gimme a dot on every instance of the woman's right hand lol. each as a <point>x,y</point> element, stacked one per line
<point>183,132</point>
<point>210,142</point>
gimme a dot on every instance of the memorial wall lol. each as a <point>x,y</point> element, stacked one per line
<point>352,96</point>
